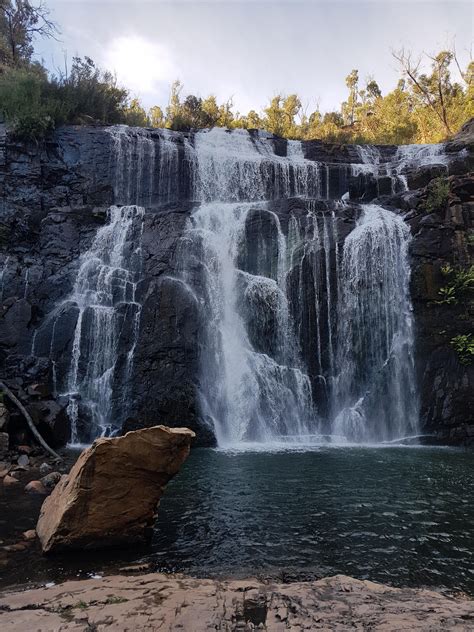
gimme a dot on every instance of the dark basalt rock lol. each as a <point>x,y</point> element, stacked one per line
<point>446,385</point>
<point>54,199</point>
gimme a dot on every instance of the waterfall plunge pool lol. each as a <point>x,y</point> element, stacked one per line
<point>399,515</point>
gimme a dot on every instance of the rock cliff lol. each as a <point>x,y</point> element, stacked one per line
<point>55,198</point>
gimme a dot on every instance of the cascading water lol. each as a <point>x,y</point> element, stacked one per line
<point>253,385</point>
<point>145,168</point>
<point>105,296</point>
<point>373,162</point>
<point>303,334</point>
<point>306,328</point>
<point>375,396</point>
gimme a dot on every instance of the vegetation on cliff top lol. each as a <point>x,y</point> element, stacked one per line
<point>428,104</point>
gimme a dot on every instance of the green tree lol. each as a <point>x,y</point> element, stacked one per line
<point>135,115</point>
<point>274,120</point>
<point>435,92</point>
<point>174,116</point>
<point>210,111</point>
<point>349,106</point>
<point>20,22</point>
<point>156,116</point>
<point>226,116</point>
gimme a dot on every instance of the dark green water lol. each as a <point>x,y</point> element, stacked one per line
<point>403,516</point>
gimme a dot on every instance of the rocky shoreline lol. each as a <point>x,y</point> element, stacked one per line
<point>156,601</point>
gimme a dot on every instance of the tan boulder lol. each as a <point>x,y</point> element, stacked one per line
<point>8,481</point>
<point>111,494</point>
<point>36,487</point>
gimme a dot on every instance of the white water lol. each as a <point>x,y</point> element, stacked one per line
<point>237,166</point>
<point>375,398</point>
<point>406,156</point>
<point>255,384</point>
<point>145,168</point>
<point>247,393</point>
<point>105,295</point>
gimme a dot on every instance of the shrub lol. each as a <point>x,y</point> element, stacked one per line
<point>34,104</point>
<point>438,194</point>
<point>90,92</point>
<point>464,347</point>
<point>27,103</point>
<point>460,287</point>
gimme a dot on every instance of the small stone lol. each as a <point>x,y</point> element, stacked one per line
<point>30,534</point>
<point>4,472</point>
<point>4,441</point>
<point>36,487</point>
<point>135,568</point>
<point>51,480</point>
<point>9,480</point>
<point>4,417</point>
<point>25,449</point>
<point>19,468</point>
<point>23,460</point>
<point>38,390</point>
<point>19,546</point>
<point>45,468</point>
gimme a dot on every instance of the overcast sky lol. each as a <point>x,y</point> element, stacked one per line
<point>251,49</point>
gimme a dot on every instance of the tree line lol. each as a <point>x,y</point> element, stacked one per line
<point>432,99</point>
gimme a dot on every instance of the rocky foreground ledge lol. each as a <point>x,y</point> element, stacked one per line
<point>173,602</point>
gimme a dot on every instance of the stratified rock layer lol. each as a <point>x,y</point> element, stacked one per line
<point>111,494</point>
<point>162,602</point>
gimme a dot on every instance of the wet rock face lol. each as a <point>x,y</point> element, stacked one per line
<point>54,200</point>
<point>111,494</point>
<point>446,384</point>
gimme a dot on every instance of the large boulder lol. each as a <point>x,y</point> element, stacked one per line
<point>111,494</point>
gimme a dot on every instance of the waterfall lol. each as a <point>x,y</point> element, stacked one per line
<point>238,166</point>
<point>395,165</point>
<point>303,332</point>
<point>145,165</point>
<point>253,386</point>
<point>305,321</point>
<point>375,388</point>
<point>107,322</point>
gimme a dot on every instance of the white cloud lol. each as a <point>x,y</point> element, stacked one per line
<point>141,65</point>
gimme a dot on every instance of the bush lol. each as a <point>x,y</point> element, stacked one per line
<point>27,103</point>
<point>34,104</point>
<point>90,92</point>
<point>464,347</point>
<point>438,194</point>
<point>460,287</point>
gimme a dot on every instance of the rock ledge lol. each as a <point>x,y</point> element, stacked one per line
<point>173,602</point>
